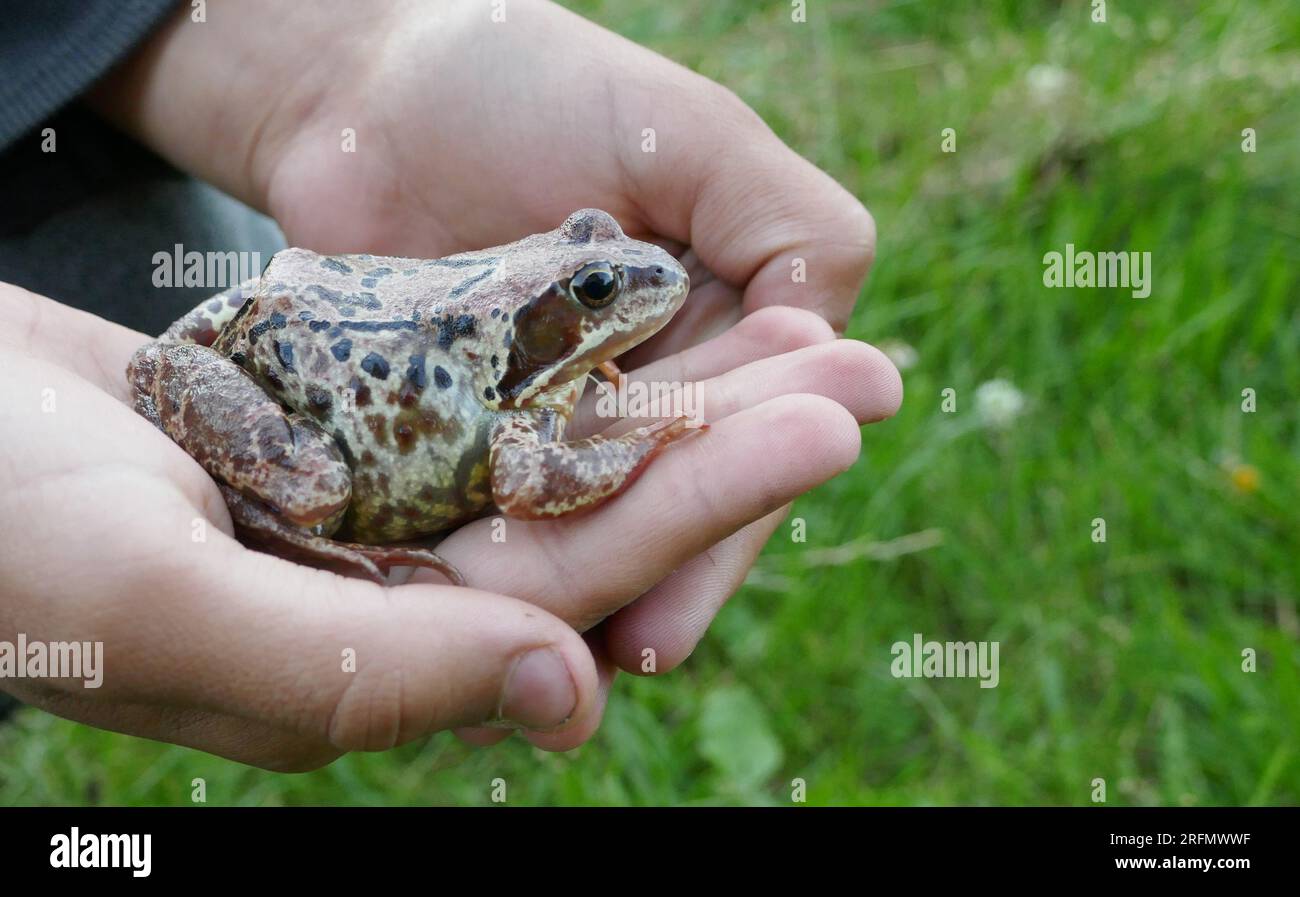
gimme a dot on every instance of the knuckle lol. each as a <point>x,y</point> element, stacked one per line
<point>368,715</point>
<point>729,103</point>
<point>783,328</point>
<point>858,230</point>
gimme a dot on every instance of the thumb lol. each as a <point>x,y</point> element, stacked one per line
<point>755,212</point>
<point>361,666</point>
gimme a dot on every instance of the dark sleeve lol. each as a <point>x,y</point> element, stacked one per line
<point>52,50</point>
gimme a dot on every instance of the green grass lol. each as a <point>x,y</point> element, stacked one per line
<point>1119,660</point>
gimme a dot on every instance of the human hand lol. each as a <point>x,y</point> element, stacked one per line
<point>471,132</point>
<point>206,643</point>
<point>239,653</point>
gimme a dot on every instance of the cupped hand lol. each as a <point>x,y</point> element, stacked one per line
<point>113,534</point>
<point>468,132</point>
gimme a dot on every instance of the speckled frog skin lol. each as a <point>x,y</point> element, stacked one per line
<point>355,402</point>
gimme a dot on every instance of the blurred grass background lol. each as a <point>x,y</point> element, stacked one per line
<point>1119,660</point>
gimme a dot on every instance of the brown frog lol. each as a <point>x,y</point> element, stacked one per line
<point>357,402</point>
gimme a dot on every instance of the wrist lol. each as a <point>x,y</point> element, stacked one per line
<point>222,98</point>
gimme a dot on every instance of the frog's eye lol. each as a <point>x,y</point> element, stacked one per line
<point>596,285</point>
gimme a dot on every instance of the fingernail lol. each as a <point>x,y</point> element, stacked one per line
<point>539,692</point>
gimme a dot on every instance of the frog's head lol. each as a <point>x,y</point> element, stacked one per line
<point>594,294</point>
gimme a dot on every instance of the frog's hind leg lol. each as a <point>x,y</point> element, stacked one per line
<point>239,434</point>
<point>257,523</point>
<point>201,324</point>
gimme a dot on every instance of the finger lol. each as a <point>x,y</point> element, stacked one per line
<point>90,347</point>
<point>767,332</point>
<point>361,667</point>
<point>578,731</point>
<point>758,215</point>
<point>858,376</point>
<point>671,618</point>
<point>697,493</point>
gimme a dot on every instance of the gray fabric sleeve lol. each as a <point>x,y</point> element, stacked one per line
<point>53,50</point>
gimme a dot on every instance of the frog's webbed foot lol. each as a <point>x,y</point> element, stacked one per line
<point>258,524</point>
<point>535,479</point>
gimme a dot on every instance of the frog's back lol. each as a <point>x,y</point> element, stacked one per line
<point>370,348</point>
<point>375,287</point>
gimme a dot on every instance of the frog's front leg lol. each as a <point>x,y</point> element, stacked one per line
<point>286,483</point>
<point>535,477</point>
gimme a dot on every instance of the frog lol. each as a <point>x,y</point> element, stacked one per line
<point>353,409</point>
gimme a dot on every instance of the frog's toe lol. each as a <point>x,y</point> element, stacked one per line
<point>391,556</point>
<point>262,528</point>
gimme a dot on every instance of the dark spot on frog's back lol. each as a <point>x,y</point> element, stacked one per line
<point>346,303</point>
<point>215,306</point>
<point>415,372</point>
<point>404,436</point>
<point>342,350</point>
<point>378,326</point>
<point>441,378</point>
<point>452,328</point>
<point>360,392</point>
<point>378,425</point>
<point>468,283</point>
<point>318,400</point>
<point>469,261</point>
<point>334,264</point>
<point>318,326</point>
<point>375,365</point>
<point>284,352</point>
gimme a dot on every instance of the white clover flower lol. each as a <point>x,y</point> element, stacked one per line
<point>998,402</point>
<point>1047,82</point>
<point>900,353</point>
